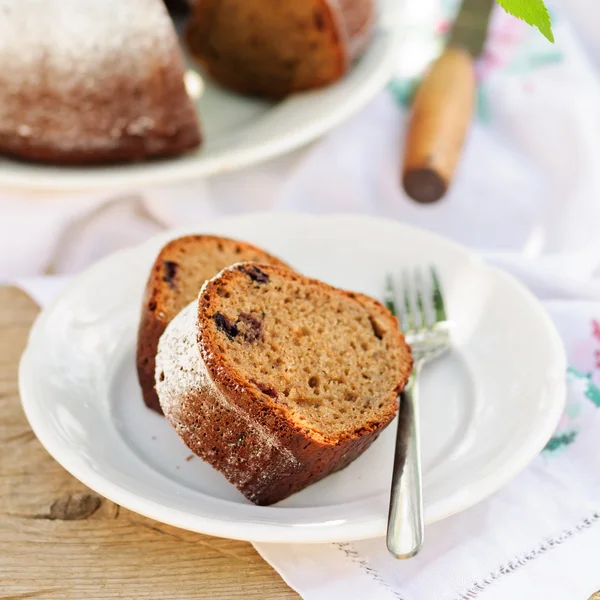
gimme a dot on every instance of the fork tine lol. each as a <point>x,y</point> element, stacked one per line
<point>437,297</point>
<point>408,312</point>
<point>389,297</point>
<point>421,315</point>
<point>403,315</point>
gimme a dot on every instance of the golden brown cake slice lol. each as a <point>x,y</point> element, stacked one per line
<point>273,48</point>
<point>178,273</point>
<point>84,81</point>
<point>278,380</point>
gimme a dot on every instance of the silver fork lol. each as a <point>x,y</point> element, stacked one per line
<point>422,316</point>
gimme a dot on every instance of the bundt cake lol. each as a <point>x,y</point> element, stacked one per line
<point>272,48</point>
<point>179,271</point>
<point>92,81</point>
<point>278,380</point>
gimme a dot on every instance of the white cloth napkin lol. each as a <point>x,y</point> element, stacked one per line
<point>539,537</point>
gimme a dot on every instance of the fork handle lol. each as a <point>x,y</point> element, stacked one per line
<point>405,519</point>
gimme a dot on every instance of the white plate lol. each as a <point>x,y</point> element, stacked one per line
<point>487,409</point>
<point>238,130</point>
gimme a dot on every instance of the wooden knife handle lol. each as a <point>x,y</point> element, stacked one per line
<point>440,116</point>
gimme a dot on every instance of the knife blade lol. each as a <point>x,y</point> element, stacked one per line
<point>469,30</point>
<point>443,107</point>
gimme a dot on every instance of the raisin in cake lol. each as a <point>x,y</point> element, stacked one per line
<point>92,81</point>
<point>278,380</point>
<point>273,48</point>
<point>177,275</point>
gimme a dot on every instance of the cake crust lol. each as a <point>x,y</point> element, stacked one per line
<point>266,48</point>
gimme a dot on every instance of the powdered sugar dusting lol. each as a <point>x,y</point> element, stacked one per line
<point>179,369</point>
<point>181,373</point>
<point>75,72</point>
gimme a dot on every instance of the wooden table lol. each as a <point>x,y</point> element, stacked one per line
<point>61,541</point>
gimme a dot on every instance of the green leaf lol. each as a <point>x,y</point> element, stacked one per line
<point>533,12</point>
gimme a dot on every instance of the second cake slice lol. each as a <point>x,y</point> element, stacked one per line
<point>178,273</point>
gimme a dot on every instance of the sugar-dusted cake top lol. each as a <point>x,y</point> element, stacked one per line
<point>82,75</point>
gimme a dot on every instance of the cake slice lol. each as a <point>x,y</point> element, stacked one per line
<point>178,273</point>
<point>92,81</point>
<point>272,48</point>
<point>278,380</point>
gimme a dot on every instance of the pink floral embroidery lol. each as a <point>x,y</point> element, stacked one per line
<point>596,329</point>
<point>585,356</point>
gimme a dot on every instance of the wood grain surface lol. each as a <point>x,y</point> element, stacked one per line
<point>61,541</point>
